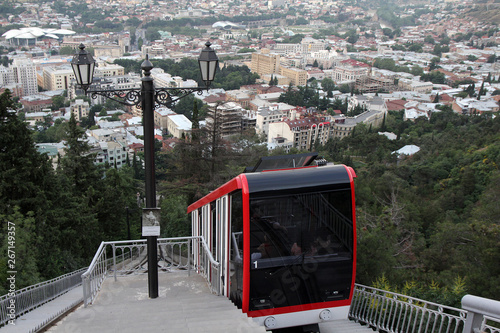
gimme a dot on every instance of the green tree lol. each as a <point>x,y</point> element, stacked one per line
<point>174,220</point>
<point>67,50</point>
<point>428,39</point>
<point>328,85</point>
<point>58,102</point>
<point>24,240</point>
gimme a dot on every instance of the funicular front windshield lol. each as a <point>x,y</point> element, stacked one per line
<point>301,249</point>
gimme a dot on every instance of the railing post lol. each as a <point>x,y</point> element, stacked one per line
<point>85,290</point>
<point>114,260</point>
<point>477,308</point>
<point>189,243</point>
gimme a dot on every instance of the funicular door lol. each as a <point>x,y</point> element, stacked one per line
<point>222,241</point>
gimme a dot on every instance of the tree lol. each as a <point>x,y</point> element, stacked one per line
<point>185,105</point>
<point>25,240</point>
<point>28,188</point>
<point>415,48</point>
<point>428,39</point>
<point>434,63</point>
<point>23,171</point>
<point>67,50</point>
<point>488,78</point>
<point>58,102</point>
<point>481,92</point>
<point>174,220</point>
<point>435,77</point>
<point>436,98</point>
<point>328,85</point>
<point>417,70</point>
<point>471,57</point>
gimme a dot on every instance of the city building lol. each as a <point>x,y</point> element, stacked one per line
<point>24,72</point>
<point>55,78</point>
<point>265,63</point>
<point>350,70</point>
<point>300,133</point>
<point>80,109</point>
<point>106,69</point>
<point>111,152</point>
<point>161,117</point>
<point>296,76</point>
<point>20,74</point>
<point>225,118</point>
<point>178,125</point>
<point>114,51</point>
<point>273,114</point>
<point>35,103</point>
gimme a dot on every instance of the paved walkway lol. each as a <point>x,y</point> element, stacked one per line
<point>39,316</point>
<point>184,305</point>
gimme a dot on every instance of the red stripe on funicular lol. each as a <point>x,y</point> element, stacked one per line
<point>228,187</point>
<point>246,243</point>
<point>352,175</point>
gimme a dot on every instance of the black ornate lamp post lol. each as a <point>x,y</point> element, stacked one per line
<point>146,98</point>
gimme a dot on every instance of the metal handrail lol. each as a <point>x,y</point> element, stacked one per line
<point>129,257</point>
<point>487,327</point>
<point>391,312</point>
<point>31,297</point>
<point>206,261</point>
<point>482,314</point>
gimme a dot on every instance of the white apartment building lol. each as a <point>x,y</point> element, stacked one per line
<point>350,70</point>
<point>80,109</point>
<point>272,114</point>
<point>163,79</point>
<point>111,152</point>
<point>418,86</point>
<point>306,46</point>
<point>25,73</point>
<point>105,69</point>
<point>161,117</point>
<point>6,76</point>
<point>55,78</point>
<point>300,133</point>
<point>326,59</point>
<point>21,72</point>
<point>179,125</point>
<point>372,103</point>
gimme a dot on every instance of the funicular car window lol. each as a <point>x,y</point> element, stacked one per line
<point>295,241</point>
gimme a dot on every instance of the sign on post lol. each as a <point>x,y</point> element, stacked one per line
<point>151,222</point>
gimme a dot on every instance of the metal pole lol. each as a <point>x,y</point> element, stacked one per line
<point>147,95</point>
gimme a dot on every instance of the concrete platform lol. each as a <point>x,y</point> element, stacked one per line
<point>185,304</point>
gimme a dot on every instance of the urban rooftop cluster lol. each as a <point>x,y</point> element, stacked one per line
<point>360,61</point>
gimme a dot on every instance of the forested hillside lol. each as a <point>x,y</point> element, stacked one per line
<point>430,221</point>
<point>428,224</point>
